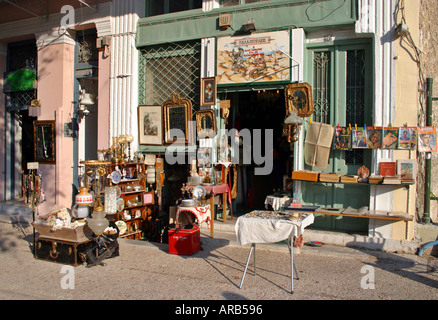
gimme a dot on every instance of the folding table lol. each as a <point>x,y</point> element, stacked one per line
<point>262,226</point>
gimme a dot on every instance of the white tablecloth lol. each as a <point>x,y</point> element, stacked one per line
<point>277,202</point>
<point>269,227</point>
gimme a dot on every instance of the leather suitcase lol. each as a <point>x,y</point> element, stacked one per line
<point>61,251</point>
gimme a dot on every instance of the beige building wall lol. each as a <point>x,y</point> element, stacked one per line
<point>406,106</point>
<point>428,44</point>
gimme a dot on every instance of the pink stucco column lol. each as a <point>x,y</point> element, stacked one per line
<point>56,93</point>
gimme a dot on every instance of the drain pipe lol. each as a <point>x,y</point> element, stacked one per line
<point>428,173</point>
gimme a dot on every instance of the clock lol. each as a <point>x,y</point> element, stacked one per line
<point>299,98</point>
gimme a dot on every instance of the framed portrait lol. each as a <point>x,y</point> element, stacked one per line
<point>44,137</point>
<point>206,123</point>
<point>208,91</point>
<point>148,198</point>
<point>427,139</point>
<point>150,125</point>
<point>359,138</point>
<point>407,169</point>
<point>299,98</point>
<point>177,117</point>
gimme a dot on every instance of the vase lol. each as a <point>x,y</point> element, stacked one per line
<point>98,223</point>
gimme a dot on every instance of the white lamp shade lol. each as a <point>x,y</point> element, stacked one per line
<point>87,99</point>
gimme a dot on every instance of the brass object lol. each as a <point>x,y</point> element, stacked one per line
<point>206,123</point>
<point>53,254</point>
<point>299,98</point>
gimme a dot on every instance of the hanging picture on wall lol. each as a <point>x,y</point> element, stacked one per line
<point>206,123</point>
<point>150,125</point>
<point>44,137</point>
<point>261,57</point>
<point>427,139</point>
<point>177,118</point>
<point>208,91</point>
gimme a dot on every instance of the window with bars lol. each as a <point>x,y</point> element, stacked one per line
<point>352,85</point>
<point>169,68</point>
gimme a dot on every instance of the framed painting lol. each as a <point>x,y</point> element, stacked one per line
<point>44,137</point>
<point>206,123</point>
<point>150,125</point>
<point>407,169</point>
<point>177,117</point>
<point>299,98</point>
<point>208,91</point>
<point>148,198</point>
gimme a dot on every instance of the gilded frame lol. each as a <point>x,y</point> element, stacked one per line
<point>177,115</point>
<point>206,123</point>
<point>299,98</point>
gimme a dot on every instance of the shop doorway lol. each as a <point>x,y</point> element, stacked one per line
<point>262,109</point>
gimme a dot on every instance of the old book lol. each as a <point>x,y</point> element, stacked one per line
<point>391,180</point>
<point>375,179</point>
<point>349,179</point>
<point>305,175</point>
<point>329,177</point>
<point>318,144</point>
<point>387,168</point>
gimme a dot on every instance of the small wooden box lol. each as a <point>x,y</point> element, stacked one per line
<point>305,175</point>
<point>60,251</point>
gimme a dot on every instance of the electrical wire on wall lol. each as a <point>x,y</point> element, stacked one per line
<point>414,53</point>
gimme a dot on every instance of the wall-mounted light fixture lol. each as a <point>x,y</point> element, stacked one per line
<point>249,26</point>
<point>294,122</point>
<point>85,100</point>
<point>402,30</point>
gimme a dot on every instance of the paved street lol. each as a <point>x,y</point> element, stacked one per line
<point>146,271</point>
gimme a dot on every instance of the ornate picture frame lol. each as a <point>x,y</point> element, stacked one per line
<point>206,123</point>
<point>299,98</point>
<point>208,91</point>
<point>177,116</point>
<point>44,137</point>
<point>150,125</point>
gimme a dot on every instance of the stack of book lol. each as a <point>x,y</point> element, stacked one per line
<point>329,177</point>
<point>391,180</point>
<point>349,179</point>
<point>375,179</point>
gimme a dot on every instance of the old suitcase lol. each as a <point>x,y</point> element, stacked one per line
<point>61,251</point>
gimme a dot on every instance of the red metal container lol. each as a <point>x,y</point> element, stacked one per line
<point>185,241</point>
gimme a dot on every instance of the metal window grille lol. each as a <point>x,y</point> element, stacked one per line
<point>355,98</point>
<point>321,86</point>
<point>169,68</point>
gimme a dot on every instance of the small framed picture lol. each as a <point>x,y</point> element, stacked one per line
<point>150,125</point>
<point>206,123</point>
<point>148,198</point>
<point>407,170</point>
<point>208,91</point>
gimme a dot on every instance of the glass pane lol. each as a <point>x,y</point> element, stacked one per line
<point>252,1</point>
<point>157,7</point>
<point>356,87</point>
<point>178,5</point>
<point>321,86</point>
<point>226,3</point>
<point>197,4</point>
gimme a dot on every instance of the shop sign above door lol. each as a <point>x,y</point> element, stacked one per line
<point>261,57</point>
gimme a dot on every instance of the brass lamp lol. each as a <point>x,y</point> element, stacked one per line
<point>293,122</point>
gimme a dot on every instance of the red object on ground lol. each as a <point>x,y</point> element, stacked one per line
<point>184,241</point>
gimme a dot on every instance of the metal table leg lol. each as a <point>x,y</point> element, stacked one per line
<point>247,262</point>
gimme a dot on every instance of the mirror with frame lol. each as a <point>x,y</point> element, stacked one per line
<point>44,136</point>
<point>177,116</point>
<point>299,98</point>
